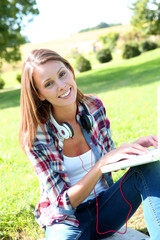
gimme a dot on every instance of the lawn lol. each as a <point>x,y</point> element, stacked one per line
<point>128,89</point>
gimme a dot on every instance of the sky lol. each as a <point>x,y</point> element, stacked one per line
<point>63,18</point>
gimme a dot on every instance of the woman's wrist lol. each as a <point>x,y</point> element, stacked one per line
<point>100,164</point>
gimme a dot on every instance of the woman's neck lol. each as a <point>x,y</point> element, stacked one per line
<point>65,114</point>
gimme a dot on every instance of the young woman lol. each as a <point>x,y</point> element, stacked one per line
<point>66,136</point>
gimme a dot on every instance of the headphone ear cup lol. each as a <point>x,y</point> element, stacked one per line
<point>86,119</point>
<point>67,131</point>
<point>87,122</point>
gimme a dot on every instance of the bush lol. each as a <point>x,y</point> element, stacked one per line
<point>82,64</point>
<point>18,77</point>
<point>130,51</point>
<point>147,46</point>
<point>2,83</point>
<point>104,55</point>
<point>109,40</point>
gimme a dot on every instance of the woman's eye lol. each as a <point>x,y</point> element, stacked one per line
<point>48,84</point>
<point>62,74</point>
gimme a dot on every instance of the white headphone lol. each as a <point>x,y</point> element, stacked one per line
<point>66,131</point>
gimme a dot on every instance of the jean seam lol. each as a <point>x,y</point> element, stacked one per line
<point>148,197</point>
<point>81,232</point>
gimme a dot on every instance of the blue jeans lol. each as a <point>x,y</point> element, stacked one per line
<point>141,184</point>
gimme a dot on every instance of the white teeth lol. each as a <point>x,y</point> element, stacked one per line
<point>66,94</point>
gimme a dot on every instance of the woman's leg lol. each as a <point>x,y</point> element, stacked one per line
<point>150,192</point>
<point>140,184</point>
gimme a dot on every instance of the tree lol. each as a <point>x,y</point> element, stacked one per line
<point>12,15</point>
<point>99,26</point>
<point>146,16</point>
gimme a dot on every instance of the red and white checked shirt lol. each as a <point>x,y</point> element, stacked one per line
<point>46,156</point>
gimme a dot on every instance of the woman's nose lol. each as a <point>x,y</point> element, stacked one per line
<point>60,84</point>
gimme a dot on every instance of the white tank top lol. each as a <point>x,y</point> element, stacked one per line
<point>76,172</point>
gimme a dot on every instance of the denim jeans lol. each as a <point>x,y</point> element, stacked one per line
<point>141,184</point>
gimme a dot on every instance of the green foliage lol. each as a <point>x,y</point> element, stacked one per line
<point>82,64</point>
<point>146,16</point>
<point>132,35</point>
<point>99,26</point>
<point>109,39</point>
<point>12,14</point>
<point>18,77</point>
<point>104,55</point>
<point>147,46</point>
<point>2,83</point>
<point>130,51</point>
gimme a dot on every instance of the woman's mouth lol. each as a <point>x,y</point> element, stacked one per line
<point>65,94</point>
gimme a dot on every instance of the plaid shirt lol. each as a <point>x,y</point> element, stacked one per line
<point>46,156</point>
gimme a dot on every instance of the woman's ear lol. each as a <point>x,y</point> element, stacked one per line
<point>41,97</point>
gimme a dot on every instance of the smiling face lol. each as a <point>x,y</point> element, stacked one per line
<point>55,83</point>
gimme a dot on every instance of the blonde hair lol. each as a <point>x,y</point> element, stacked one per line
<point>33,110</point>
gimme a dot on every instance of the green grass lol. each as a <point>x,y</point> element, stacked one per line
<point>128,89</point>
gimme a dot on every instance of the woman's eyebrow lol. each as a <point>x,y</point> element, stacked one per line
<point>46,80</point>
<point>60,69</point>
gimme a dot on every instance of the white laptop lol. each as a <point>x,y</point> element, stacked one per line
<point>130,160</point>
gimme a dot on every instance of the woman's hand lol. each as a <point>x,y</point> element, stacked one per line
<point>148,141</point>
<point>122,152</point>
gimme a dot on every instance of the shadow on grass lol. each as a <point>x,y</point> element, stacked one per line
<point>10,98</point>
<point>143,230</point>
<point>109,78</point>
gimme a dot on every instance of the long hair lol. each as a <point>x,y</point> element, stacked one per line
<point>33,110</point>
